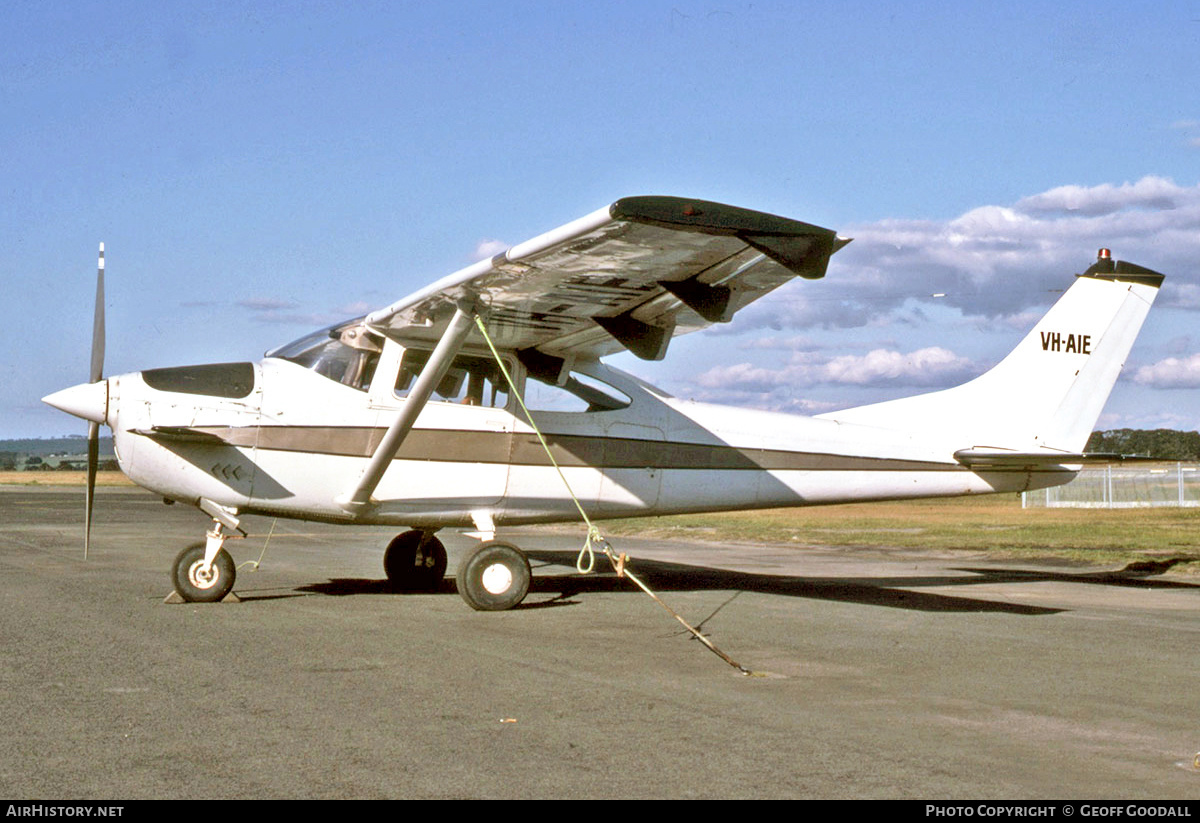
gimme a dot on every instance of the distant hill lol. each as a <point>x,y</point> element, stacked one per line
<point>44,447</point>
<point>53,453</point>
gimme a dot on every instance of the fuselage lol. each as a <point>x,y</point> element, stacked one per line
<point>289,438</point>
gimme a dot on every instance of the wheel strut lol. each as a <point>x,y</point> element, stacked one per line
<point>204,573</point>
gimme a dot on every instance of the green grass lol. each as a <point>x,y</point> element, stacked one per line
<point>996,525</point>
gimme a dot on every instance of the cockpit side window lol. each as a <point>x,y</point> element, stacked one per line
<point>346,353</point>
<point>471,380</point>
<point>578,393</point>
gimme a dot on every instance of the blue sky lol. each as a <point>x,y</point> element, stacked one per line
<point>257,170</point>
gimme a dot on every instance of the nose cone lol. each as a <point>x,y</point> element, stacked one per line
<point>87,400</point>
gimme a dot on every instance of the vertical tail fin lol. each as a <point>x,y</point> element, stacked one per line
<point>1049,391</point>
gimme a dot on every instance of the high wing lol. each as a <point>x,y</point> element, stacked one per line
<point>628,276</point>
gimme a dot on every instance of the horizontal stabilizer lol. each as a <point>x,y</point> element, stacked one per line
<point>978,459</point>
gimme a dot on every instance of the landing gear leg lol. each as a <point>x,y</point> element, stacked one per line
<point>494,577</point>
<point>415,561</point>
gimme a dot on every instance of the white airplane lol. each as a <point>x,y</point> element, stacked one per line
<point>405,417</point>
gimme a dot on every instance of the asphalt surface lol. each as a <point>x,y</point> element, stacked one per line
<point>878,675</point>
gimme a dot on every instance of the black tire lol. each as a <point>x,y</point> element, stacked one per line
<point>195,588</point>
<point>415,561</point>
<point>494,577</point>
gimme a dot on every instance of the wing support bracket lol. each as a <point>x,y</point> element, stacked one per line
<point>710,302</point>
<point>646,341</point>
<point>359,498</point>
<point>544,367</point>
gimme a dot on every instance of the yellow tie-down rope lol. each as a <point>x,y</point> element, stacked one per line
<point>586,560</point>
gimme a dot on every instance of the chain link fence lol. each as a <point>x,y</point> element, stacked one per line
<point>1119,487</point>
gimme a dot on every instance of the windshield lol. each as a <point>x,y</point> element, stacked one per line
<point>346,353</point>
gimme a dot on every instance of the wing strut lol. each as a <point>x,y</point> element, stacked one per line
<point>435,369</point>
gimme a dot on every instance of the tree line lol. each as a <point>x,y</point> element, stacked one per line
<point>1166,444</point>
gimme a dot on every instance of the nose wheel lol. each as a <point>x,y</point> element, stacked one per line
<point>198,584</point>
<point>494,577</point>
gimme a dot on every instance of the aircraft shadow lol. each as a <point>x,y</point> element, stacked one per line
<point>345,586</point>
<point>892,592</point>
<point>1135,575</point>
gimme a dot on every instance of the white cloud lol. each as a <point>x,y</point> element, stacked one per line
<point>489,248</point>
<point>777,400</point>
<point>1181,295</point>
<point>932,366</point>
<point>310,320</point>
<point>282,311</point>
<point>924,368</point>
<point>1171,373</point>
<point>1018,323</point>
<point>266,304</point>
<point>1188,126</point>
<point>355,309</point>
<point>744,377</point>
<point>995,261</point>
<point>784,343</point>
<point>1155,193</point>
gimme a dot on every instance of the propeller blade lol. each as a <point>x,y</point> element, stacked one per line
<point>98,324</point>
<point>93,459</point>
<point>97,374</point>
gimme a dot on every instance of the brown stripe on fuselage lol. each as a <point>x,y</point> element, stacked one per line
<point>569,450</point>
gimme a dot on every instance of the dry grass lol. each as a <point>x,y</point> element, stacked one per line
<point>109,478</point>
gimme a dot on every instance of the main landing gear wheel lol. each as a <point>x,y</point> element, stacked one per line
<point>415,561</point>
<point>193,584</point>
<point>494,577</point>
